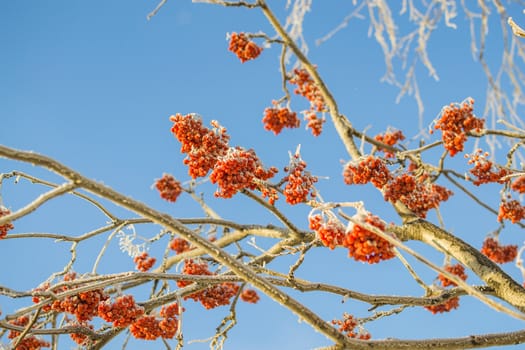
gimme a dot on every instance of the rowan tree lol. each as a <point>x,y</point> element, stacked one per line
<point>402,212</point>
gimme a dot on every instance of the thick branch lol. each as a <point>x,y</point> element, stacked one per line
<point>166,221</point>
<point>504,286</point>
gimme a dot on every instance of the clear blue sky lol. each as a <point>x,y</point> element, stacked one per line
<point>93,83</point>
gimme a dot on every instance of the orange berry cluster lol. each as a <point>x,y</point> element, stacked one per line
<point>168,187</point>
<point>416,193</point>
<point>348,325</point>
<point>270,193</point>
<point>180,245</point>
<point>151,327</point>
<point>456,121</point>
<point>484,170</point>
<point>331,232</point>
<point>244,48</point>
<point>307,88</point>
<point>212,296</point>
<point>499,253</point>
<point>452,303</point>
<point>7,226</point>
<point>233,168</point>
<point>299,183</point>
<point>389,138</point>
<point>369,169</point>
<point>28,343</point>
<point>123,312</point>
<point>84,305</point>
<point>519,184</point>
<point>275,119</point>
<point>250,296</point>
<point>79,338</point>
<point>202,145</point>
<point>144,262</point>
<point>364,245</point>
<point>511,210</point>
<point>237,170</point>
<point>457,270</point>
<point>315,123</point>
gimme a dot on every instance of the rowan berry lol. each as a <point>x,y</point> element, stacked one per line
<point>29,342</point>
<point>202,145</point>
<point>389,138</point>
<point>307,88</point>
<point>146,327</point>
<point>417,194</point>
<point>314,123</point>
<point>212,296</point>
<point>399,187</point>
<point>80,338</point>
<point>499,253</point>
<point>331,232</point>
<point>168,187</point>
<point>299,183</point>
<point>144,262</point>
<point>170,311</point>
<point>364,245</point>
<point>348,325</point>
<point>180,245</point>
<point>457,270</point>
<point>511,210</point>
<point>244,48</point>
<point>519,184</point>
<point>237,170</point>
<point>450,304</point>
<point>8,225</point>
<point>365,170</point>
<point>249,296</point>
<point>484,170</point>
<point>455,122</point>
<point>83,305</point>
<point>275,119</point>
<point>270,193</point>
<point>122,312</point>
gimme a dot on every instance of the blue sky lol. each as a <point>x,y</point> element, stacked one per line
<point>93,84</point>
